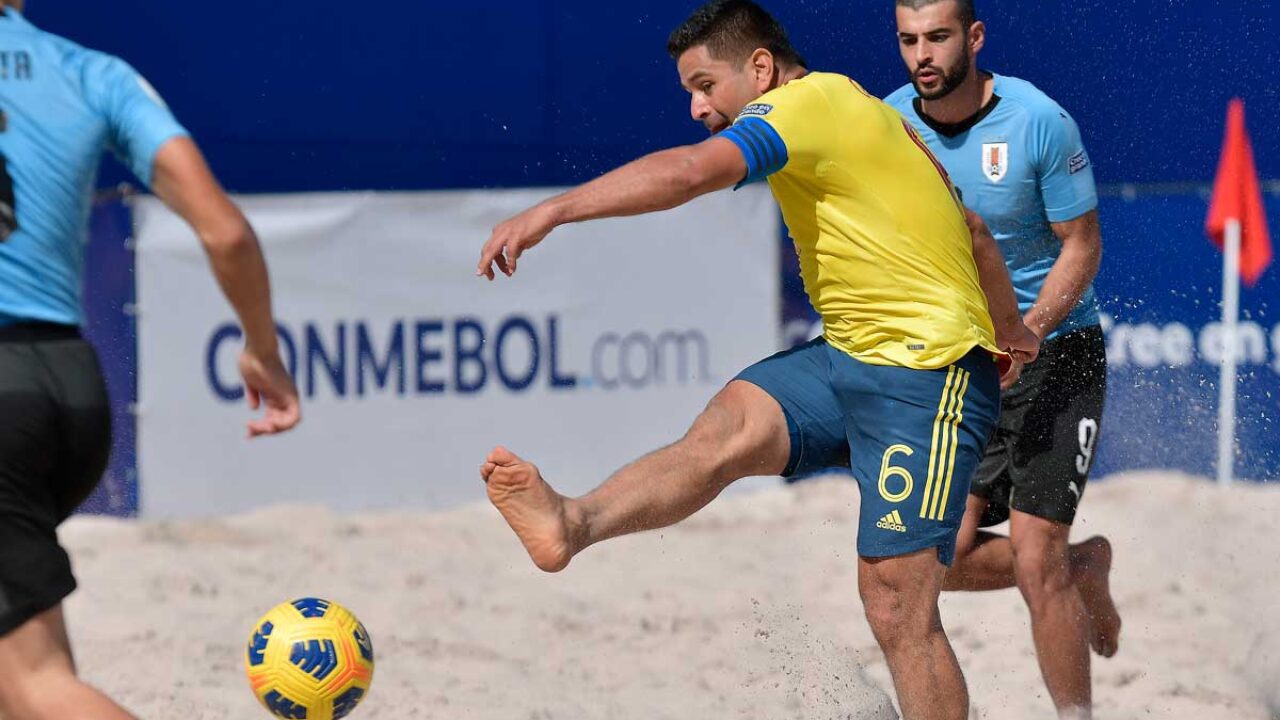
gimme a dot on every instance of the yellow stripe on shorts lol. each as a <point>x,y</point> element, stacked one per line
<point>933,444</point>
<point>957,416</point>
<point>942,451</point>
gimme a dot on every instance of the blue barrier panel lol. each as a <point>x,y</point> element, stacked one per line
<point>110,326</point>
<point>1160,289</point>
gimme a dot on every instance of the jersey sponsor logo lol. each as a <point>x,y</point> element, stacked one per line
<point>892,521</point>
<point>995,161</point>
<point>756,109</point>
<point>1077,162</point>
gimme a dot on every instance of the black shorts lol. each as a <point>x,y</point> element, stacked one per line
<point>55,436</point>
<point>1040,455</point>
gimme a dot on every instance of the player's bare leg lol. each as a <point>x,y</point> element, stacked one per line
<point>1059,621</point>
<point>984,561</point>
<point>1091,569</point>
<point>900,598</point>
<point>38,677</point>
<point>741,433</point>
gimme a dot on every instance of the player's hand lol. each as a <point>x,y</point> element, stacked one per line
<point>267,384</point>
<point>512,238</point>
<point>1011,374</point>
<point>1020,342</point>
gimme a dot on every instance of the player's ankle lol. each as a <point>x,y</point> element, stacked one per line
<point>577,526</point>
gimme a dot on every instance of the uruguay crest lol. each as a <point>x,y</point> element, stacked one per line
<point>995,161</point>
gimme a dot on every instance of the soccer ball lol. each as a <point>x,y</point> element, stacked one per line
<point>309,659</point>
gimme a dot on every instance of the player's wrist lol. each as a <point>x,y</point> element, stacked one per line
<point>554,212</point>
<point>262,348</point>
<point>1037,325</point>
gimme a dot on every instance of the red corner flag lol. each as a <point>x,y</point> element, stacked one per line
<point>1237,195</point>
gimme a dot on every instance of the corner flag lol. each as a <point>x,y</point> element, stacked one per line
<point>1237,223</point>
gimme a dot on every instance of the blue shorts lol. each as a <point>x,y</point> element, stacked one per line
<point>913,438</point>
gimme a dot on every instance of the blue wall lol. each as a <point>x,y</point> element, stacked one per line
<point>290,95</point>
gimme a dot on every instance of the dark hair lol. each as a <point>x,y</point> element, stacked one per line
<point>965,8</point>
<point>732,30</point>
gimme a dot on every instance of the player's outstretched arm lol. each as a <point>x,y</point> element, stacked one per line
<point>183,181</point>
<point>659,181</point>
<point>1071,274</point>
<point>1012,335</point>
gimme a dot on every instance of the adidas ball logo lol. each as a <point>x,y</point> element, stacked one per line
<point>892,521</point>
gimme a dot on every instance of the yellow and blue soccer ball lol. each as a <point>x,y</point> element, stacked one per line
<point>309,659</point>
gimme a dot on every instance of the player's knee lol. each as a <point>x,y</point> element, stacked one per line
<point>1042,571</point>
<point>710,444</point>
<point>896,617</point>
<point>27,696</point>
<point>32,684</point>
<point>729,442</point>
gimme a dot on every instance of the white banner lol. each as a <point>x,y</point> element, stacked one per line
<point>605,345</point>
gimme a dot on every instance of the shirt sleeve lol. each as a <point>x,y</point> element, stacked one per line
<point>140,123</point>
<point>1066,175</point>
<point>777,131</point>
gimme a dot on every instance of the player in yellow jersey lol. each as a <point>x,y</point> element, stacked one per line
<point>903,388</point>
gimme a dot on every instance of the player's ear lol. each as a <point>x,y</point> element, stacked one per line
<point>977,36</point>
<point>762,67</point>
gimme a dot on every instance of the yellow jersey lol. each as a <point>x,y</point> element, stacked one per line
<point>885,254</point>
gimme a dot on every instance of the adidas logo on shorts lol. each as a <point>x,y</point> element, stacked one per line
<point>892,521</point>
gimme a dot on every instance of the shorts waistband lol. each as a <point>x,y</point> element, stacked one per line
<point>27,332</point>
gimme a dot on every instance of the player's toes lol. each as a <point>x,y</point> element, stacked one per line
<point>1106,634</point>
<point>1103,645</point>
<point>502,456</point>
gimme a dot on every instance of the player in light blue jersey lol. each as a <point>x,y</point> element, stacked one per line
<point>61,106</point>
<point>1018,160</point>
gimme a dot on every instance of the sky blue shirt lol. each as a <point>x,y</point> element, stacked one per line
<point>62,107</point>
<point>1020,166</point>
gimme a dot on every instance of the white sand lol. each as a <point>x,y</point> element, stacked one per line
<point>748,610</point>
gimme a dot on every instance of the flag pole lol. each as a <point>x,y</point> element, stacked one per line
<point>1231,348</point>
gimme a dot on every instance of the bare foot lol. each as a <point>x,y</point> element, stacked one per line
<point>534,510</point>
<point>1091,569</point>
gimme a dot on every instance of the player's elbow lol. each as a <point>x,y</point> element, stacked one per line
<point>1086,249</point>
<point>980,235</point>
<point>228,237</point>
<point>1095,259</point>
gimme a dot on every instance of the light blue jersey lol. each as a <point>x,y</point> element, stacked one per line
<point>61,106</point>
<point>1019,164</point>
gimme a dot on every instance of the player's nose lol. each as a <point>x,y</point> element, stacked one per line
<point>699,108</point>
